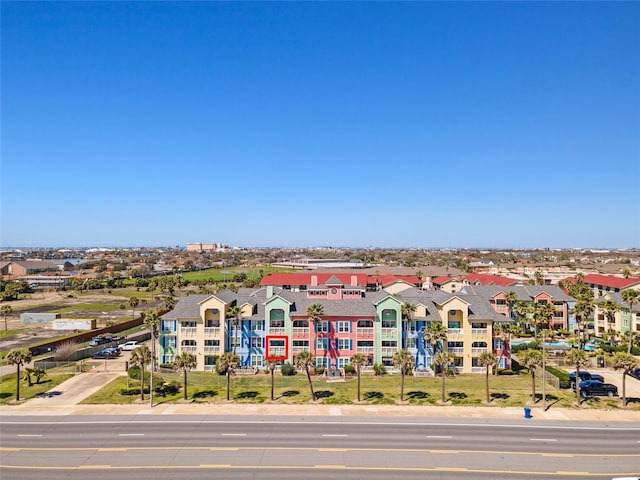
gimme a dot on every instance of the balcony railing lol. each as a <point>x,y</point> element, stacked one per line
<point>189,348</point>
<point>389,332</point>
<point>276,331</point>
<point>211,331</point>
<point>478,350</point>
<point>301,331</point>
<point>189,331</point>
<point>455,350</point>
<point>276,352</point>
<point>455,332</point>
<point>479,332</point>
<point>387,351</point>
<point>298,349</point>
<point>364,331</point>
<point>211,349</point>
<point>365,350</point>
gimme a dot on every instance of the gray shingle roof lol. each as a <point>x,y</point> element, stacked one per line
<point>187,307</point>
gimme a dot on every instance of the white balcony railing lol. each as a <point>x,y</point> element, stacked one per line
<point>276,352</point>
<point>298,349</point>
<point>211,331</point>
<point>455,332</point>
<point>188,331</point>
<point>389,332</point>
<point>479,332</point>
<point>387,351</point>
<point>364,331</point>
<point>456,350</point>
<point>276,331</point>
<point>478,350</point>
<point>211,349</point>
<point>301,331</point>
<point>365,350</point>
<point>189,348</point>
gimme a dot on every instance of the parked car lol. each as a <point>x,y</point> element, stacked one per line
<point>585,376</point>
<point>590,388</point>
<point>131,345</point>
<point>107,353</point>
<point>635,373</point>
<point>100,339</point>
<point>115,351</point>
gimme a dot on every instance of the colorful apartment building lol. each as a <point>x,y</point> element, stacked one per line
<point>274,323</point>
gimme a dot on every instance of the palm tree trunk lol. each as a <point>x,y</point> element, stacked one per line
<point>142,381</point>
<point>358,382</point>
<point>313,395</point>
<point>402,384</point>
<point>272,370</point>
<point>17,382</point>
<point>443,380</point>
<point>185,383</point>
<point>624,388</point>
<point>533,385</point>
<point>487,382</point>
<point>578,384</point>
<point>228,381</point>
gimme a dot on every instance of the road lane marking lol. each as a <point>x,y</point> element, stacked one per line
<point>439,436</point>
<point>543,440</point>
<point>131,434</point>
<point>25,435</point>
<point>233,434</point>
<point>334,435</point>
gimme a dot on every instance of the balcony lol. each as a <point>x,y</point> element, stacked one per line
<point>389,332</point>
<point>276,331</point>
<point>188,331</point>
<point>389,351</point>
<point>455,350</point>
<point>211,349</point>
<point>364,332</point>
<point>479,332</point>
<point>302,331</point>
<point>298,349</point>
<point>455,332</point>
<point>276,352</point>
<point>365,350</point>
<point>189,349</point>
<point>211,331</point>
<point>479,350</point>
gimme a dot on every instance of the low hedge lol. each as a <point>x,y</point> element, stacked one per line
<point>562,376</point>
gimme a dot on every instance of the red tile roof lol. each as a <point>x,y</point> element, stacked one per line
<point>442,280</point>
<point>608,281</point>
<point>485,279</point>
<point>389,279</point>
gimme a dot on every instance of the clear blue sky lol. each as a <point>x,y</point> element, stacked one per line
<point>419,124</point>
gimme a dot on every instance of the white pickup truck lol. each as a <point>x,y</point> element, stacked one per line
<point>131,345</point>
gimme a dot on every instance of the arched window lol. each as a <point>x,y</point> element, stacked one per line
<point>365,323</point>
<point>301,324</point>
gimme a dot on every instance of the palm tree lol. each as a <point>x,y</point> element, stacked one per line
<point>625,362</point>
<point>435,334</point>
<point>504,330</point>
<point>152,321</point>
<point>133,303</point>
<point>583,308</point>
<point>511,298</point>
<point>408,311</point>
<point>18,358</point>
<point>524,311</point>
<point>315,311</point>
<point>226,363</point>
<point>542,315</point>
<point>610,308</point>
<point>405,362</point>
<point>358,360</point>
<point>235,314</point>
<point>443,360</point>
<point>488,360</point>
<point>185,362</point>
<point>271,364</point>
<point>306,360</point>
<point>578,358</point>
<point>6,310</point>
<point>630,297</point>
<point>169,302</point>
<point>532,359</point>
<point>141,356</point>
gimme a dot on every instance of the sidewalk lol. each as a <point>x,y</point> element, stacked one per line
<point>64,399</point>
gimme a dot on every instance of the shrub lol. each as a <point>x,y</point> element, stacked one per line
<point>134,372</point>
<point>349,369</point>
<point>287,369</point>
<point>170,388</point>
<point>65,351</point>
<point>379,369</point>
<point>562,376</point>
<point>133,390</point>
<point>505,371</point>
<point>168,366</point>
<point>319,369</point>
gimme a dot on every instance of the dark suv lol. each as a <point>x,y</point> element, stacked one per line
<point>106,354</point>
<point>584,376</point>
<point>589,388</point>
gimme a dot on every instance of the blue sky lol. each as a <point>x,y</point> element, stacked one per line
<point>418,124</point>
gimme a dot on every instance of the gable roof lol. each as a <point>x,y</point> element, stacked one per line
<point>609,281</point>
<point>443,280</point>
<point>304,278</point>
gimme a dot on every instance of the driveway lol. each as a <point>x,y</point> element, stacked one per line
<point>74,390</point>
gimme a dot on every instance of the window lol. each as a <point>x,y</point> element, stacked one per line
<point>168,359</point>
<point>168,326</point>
<point>365,324</point>
<point>188,343</point>
<point>388,323</point>
<point>169,342</point>
<point>276,314</point>
<point>302,344</point>
<point>212,323</point>
<point>344,344</point>
<point>342,362</point>
<point>389,314</point>
<point>256,326</point>
<point>411,342</point>
<point>323,326</point>
<point>257,360</point>
<point>343,327</point>
<point>300,324</point>
<point>322,343</point>
<point>365,343</point>
<point>212,343</point>
<point>276,324</point>
<point>323,362</point>
<point>501,301</point>
<point>256,342</point>
<point>478,325</point>
<point>236,341</point>
<point>389,343</point>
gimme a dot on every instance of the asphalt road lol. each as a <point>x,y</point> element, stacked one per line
<point>197,447</point>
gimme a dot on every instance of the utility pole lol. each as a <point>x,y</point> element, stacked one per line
<point>544,374</point>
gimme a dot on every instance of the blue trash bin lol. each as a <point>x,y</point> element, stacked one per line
<point>527,412</point>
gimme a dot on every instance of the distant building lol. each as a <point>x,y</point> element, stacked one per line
<point>206,247</point>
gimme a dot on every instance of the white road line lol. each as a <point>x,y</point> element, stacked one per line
<point>131,434</point>
<point>334,435</point>
<point>439,436</point>
<point>29,435</point>
<point>233,434</point>
<point>543,440</point>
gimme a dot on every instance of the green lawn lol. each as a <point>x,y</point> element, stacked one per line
<point>8,386</point>
<point>469,390</point>
<point>218,275</point>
